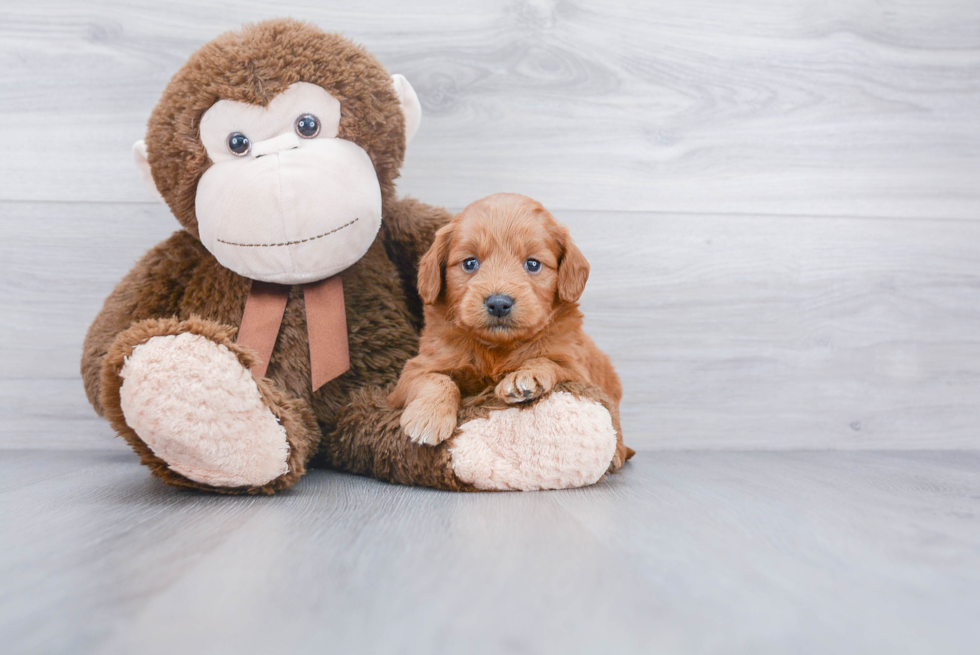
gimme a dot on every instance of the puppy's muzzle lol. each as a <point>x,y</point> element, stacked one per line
<point>499,305</point>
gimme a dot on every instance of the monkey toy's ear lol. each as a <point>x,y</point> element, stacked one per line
<point>410,105</point>
<point>143,165</point>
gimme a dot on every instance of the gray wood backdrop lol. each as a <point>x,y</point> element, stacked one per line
<point>780,200</point>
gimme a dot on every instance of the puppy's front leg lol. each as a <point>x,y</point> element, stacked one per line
<point>532,380</point>
<point>431,402</point>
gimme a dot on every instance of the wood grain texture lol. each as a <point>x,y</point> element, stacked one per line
<point>682,553</point>
<point>846,107</point>
<point>728,332</point>
<point>790,272</point>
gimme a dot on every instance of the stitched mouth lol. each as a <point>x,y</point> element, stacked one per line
<point>289,243</point>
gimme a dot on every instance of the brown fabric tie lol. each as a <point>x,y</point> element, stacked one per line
<point>326,326</point>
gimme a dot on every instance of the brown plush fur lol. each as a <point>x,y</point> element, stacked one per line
<point>523,355</point>
<point>254,65</point>
<point>178,286</point>
<point>180,282</point>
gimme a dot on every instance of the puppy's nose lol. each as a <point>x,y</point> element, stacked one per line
<point>499,305</point>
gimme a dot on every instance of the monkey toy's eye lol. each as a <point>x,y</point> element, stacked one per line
<point>239,144</point>
<point>471,264</point>
<point>532,266</point>
<point>307,126</point>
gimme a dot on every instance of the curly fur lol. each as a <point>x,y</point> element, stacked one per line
<point>524,354</point>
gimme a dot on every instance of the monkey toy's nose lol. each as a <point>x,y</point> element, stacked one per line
<point>499,305</point>
<point>286,141</point>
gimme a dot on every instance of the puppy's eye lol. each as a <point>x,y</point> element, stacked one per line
<point>532,266</point>
<point>308,126</point>
<point>471,264</point>
<point>239,144</point>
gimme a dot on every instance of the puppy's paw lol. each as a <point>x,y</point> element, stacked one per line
<point>523,385</point>
<point>430,422</point>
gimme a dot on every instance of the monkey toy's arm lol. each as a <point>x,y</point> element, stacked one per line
<point>408,229</point>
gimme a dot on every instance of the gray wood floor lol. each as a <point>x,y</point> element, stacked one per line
<point>781,206</point>
<point>684,552</point>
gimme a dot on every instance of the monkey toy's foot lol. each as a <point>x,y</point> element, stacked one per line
<point>567,439</point>
<point>189,404</point>
<point>199,410</point>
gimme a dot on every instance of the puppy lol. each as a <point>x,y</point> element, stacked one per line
<point>500,286</point>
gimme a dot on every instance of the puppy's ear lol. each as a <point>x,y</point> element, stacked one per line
<point>573,268</point>
<point>433,265</point>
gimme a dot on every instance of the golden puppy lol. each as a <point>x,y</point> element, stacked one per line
<point>500,286</point>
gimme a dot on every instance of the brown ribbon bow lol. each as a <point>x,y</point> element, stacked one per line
<point>326,326</point>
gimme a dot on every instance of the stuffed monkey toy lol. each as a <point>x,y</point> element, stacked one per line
<point>264,336</point>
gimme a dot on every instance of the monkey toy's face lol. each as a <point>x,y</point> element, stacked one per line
<point>285,200</point>
<point>277,147</point>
